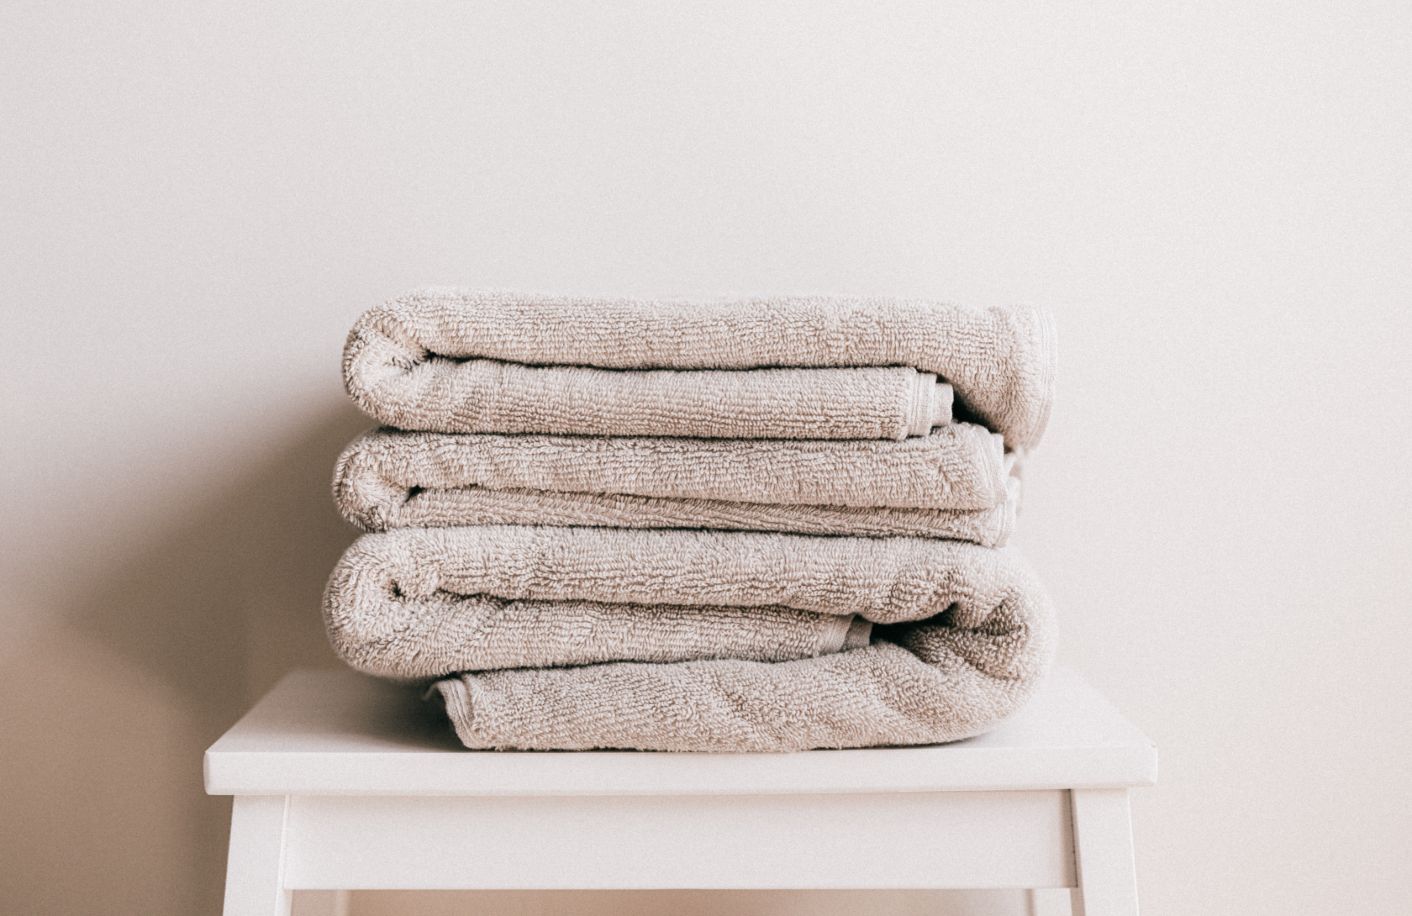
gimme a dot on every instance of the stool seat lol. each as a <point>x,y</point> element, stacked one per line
<point>341,781</point>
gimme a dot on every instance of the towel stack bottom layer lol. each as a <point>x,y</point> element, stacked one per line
<point>749,525</point>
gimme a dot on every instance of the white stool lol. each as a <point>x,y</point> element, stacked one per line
<point>342,782</point>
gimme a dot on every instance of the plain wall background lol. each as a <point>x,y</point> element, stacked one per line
<point>197,199</point>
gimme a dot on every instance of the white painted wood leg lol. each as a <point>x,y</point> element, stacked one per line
<point>255,866</point>
<point>1103,853</point>
<point>1050,901</point>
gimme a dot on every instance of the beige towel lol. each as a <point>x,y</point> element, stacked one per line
<point>819,368</point>
<point>955,483</point>
<point>718,641</point>
<point>417,603</point>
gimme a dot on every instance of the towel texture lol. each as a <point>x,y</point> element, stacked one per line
<point>693,640</point>
<point>818,367</point>
<point>955,483</point>
<point>755,525</point>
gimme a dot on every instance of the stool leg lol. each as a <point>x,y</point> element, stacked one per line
<point>1050,901</point>
<point>1103,850</point>
<point>255,866</point>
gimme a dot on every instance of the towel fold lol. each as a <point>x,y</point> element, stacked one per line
<point>693,640</point>
<point>774,368</point>
<point>955,483</point>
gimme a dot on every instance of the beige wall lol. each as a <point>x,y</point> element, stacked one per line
<point>196,200</point>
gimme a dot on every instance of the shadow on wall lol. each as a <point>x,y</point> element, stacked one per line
<point>110,713</point>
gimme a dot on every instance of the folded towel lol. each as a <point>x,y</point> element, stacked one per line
<point>955,483</point>
<point>714,641</point>
<point>819,368</point>
<point>414,604</point>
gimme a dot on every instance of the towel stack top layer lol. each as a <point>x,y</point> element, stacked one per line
<point>445,360</point>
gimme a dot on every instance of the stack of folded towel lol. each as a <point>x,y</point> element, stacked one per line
<point>762,524</point>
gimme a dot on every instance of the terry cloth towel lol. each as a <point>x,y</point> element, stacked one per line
<point>693,640</point>
<point>444,360</point>
<point>955,483</point>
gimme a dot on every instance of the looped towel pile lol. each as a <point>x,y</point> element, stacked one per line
<point>747,525</point>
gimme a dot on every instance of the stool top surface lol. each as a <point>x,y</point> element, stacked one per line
<point>337,732</point>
